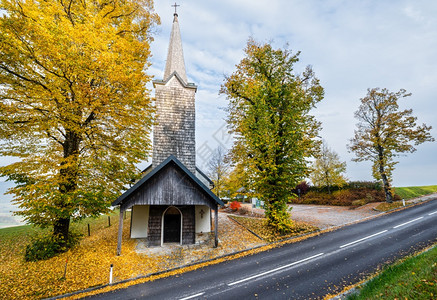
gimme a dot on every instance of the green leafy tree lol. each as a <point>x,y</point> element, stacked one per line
<point>73,105</point>
<point>268,111</point>
<point>327,169</point>
<point>384,132</point>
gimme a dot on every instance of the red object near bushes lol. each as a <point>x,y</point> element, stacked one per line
<point>235,205</point>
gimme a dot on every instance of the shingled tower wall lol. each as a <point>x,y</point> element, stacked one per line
<point>174,132</point>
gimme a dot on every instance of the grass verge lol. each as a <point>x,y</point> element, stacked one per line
<point>414,278</point>
<point>257,225</point>
<point>407,193</point>
<point>384,206</point>
<point>415,191</point>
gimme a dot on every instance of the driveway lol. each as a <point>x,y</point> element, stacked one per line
<point>328,216</point>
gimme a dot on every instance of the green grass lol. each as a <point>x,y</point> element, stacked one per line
<point>414,278</point>
<point>15,231</point>
<point>415,191</point>
<point>24,232</point>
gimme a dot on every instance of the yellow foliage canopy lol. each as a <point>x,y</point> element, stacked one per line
<point>73,104</point>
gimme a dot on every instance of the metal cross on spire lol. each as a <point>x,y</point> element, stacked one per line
<point>175,7</point>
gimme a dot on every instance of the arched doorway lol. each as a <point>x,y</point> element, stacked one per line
<point>172,225</point>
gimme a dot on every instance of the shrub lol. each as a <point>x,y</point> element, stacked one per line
<point>279,221</point>
<point>373,185</point>
<point>302,188</point>
<point>313,197</point>
<point>342,198</point>
<point>357,203</point>
<point>243,210</point>
<point>48,246</point>
<point>235,205</point>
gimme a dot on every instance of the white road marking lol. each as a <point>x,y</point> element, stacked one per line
<point>407,222</point>
<point>274,270</point>
<point>364,238</point>
<point>432,213</point>
<point>192,296</point>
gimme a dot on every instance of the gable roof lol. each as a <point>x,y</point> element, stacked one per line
<point>201,173</point>
<point>171,160</point>
<point>187,85</point>
<point>205,176</point>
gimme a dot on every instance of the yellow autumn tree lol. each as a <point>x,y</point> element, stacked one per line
<point>385,132</point>
<point>218,170</point>
<point>327,170</point>
<point>74,108</point>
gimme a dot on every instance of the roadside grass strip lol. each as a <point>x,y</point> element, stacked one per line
<point>274,270</point>
<point>411,278</point>
<point>415,191</point>
<point>363,239</point>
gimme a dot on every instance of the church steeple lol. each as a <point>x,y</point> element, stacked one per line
<point>174,131</point>
<point>175,57</point>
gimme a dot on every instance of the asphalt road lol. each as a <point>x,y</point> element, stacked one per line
<point>309,269</point>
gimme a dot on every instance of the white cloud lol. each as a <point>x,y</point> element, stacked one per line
<point>352,46</point>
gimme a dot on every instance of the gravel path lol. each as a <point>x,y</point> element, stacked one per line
<point>328,216</point>
<point>325,216</point>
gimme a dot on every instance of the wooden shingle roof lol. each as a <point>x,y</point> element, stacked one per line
<point>170,183</point>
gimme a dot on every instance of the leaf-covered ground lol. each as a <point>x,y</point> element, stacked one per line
<point>384,206</point>
<point>257,225</point>
<point>89,263</point>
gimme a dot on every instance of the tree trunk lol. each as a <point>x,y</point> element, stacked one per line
<point>68,184</point>
<point>385,181</point>
<point>387,188</point>
<point>61,228</point>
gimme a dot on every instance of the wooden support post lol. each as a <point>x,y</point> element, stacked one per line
<point>120,232</point>
<point>216,227</point>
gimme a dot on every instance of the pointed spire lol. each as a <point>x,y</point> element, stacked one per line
<point>175,57</point>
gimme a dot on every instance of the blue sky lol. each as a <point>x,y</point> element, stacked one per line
<point>352,46</point>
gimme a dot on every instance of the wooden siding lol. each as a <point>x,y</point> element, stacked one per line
<point>155,219</point>
<point>170,186</point>
<point>155,224</point>
<point>188,225</point>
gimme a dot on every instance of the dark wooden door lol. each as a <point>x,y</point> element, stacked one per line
<point>172,228</point>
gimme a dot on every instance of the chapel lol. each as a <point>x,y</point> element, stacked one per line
<point>172,202</point>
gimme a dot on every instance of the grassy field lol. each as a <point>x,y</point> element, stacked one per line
<point>415,191</point>
<point>407,193</point>
<point>415,278</point>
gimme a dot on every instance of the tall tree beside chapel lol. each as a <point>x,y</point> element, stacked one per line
<point>268,111</point>
<point>385,132</point>
<point>73,105</point>
<point>219,170</point>
<point>327,169</point>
